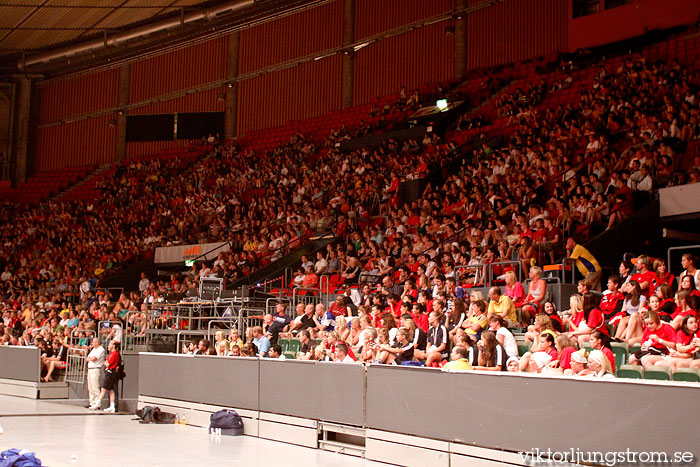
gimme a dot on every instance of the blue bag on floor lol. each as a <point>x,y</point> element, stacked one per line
<point>412,363</point>
<point>18,458</point>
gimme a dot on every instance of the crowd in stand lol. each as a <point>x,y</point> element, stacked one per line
<point>559,171</point>
<point>446,325</point>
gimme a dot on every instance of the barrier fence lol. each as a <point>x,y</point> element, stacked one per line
<point>492,410</point>
<point>76,366</point>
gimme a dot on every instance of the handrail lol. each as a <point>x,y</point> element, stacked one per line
<point>275,299</point>
<point>204,255</point>
<point>573,269</point>
<point>287,277</point>
<point>74,339</point>
<point>187,333</point>
<point>129,337</point>
<point>497,263</point>
<point>478,267</point>
<point>306,289</point>
<point>328,282</point>
<point>225,321</point>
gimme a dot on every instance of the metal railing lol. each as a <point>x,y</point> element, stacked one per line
<point>228,325</point>
<point>327,282</point>
<point>133,335</point>
<point>288,276</point>
<point>572,263</point>
<point>478,275</point>
<point>104,329</point>
<point>186,315</point>
<point>76,341</point>
<point>186,333</point>
<point>271,303</point>
<point>76,366</point>
<point>499,263</point>
<point>312,295</point>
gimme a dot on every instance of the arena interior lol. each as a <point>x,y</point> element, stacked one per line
<point>406,232</point>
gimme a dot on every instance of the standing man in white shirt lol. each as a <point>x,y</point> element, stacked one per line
<point>96,360</point>
<point>144,284</point>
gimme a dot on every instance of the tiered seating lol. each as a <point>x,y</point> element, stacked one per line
<point>45,185</point>
<point>89,190</point>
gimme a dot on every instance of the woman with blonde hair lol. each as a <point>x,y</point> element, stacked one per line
<point>514,289</point>
<point>575,307</point>
<point>579,364</point>
<point>536,293</point>
<point>223,348</point>
<point>320,354</point>
<point>368,353</point>
<point>341,328</point>
<point>355,331</point>
<point>599,365</point>
<point>475,295</point>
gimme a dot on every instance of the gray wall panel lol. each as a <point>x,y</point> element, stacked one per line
<point>20,363</point>
<point>213,380</point>
<point>323,390</point>
<point>130,385</point>
<point>408,400</point>
<point>520,413</point>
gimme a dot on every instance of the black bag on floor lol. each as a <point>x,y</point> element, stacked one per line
<point>228,421</point>
<point>150,414</point>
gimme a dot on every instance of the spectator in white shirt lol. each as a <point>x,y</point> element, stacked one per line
<point>95,362</point>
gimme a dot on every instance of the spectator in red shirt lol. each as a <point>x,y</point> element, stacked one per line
<point>338,307</point>
<point>600,341</point>
<point>645,276</point>
<point>111,377</point>
<point>687,346</point>
<point>663,276</point>
<point>657,341</point>
<point>611,303</point>
<point>592,320</point>
<point>310,279</point>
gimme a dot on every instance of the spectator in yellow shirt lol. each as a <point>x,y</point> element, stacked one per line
<point>502,305</point>
<point>459,360</point>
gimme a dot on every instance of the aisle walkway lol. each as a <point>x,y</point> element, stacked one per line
<point>64,435</point>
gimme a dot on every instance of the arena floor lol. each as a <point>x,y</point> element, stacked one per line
<point>66,435</point>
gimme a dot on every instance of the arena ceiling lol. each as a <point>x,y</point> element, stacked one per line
<point>32,30</point>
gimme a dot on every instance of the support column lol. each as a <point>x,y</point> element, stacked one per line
<point>460,41</point>
<point>7,100</point>
<point>22,120</point>
<point>348,58</point>
<point>231,115</point>
<point>123,100</point>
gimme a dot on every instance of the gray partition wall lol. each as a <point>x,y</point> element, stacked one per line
<point>514,412</point>
<point>20,363</point>
<point>521,412</point>
<point>130,384</point>
<point>212,380</point>
<point>332,392</point>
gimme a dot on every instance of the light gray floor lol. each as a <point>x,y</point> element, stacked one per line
<point>65,435</point>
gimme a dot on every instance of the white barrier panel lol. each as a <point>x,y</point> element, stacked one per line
<point>679,200</point>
